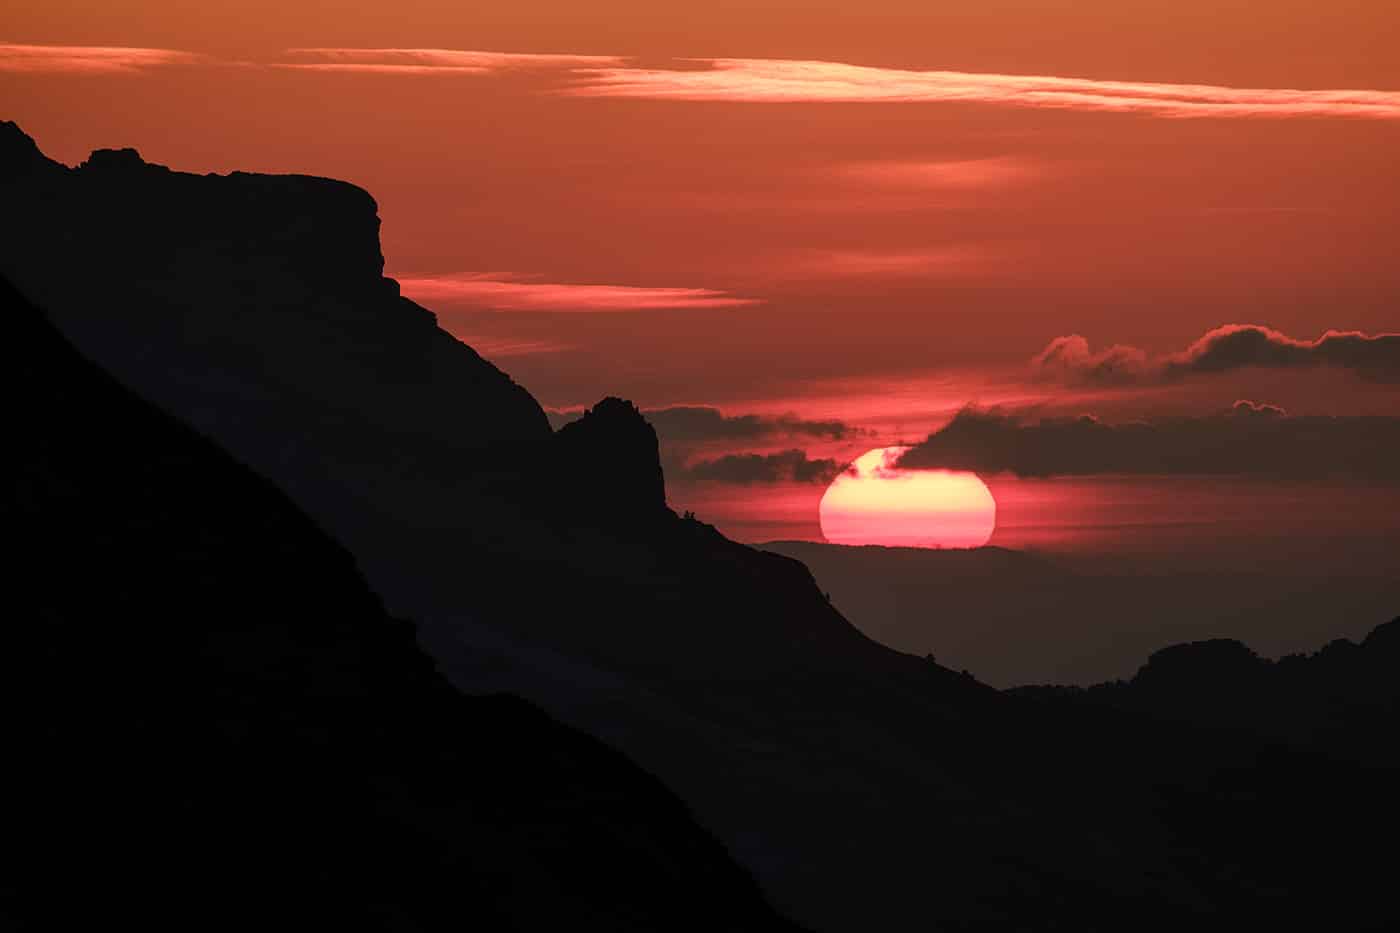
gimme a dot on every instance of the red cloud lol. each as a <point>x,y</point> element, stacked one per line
<point>434,61</point>
<point>89,59</point>
<point>505,293</point>
<point>961,174</point>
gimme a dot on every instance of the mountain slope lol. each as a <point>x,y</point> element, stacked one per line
<point>211,722</point>
<point>865,788</point>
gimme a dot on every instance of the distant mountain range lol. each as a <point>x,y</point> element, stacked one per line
<point>866,789</point>
<point>1016,618</point>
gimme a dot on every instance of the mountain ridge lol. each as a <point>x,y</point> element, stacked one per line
<point>847,776</point>
<point>1340,697</point>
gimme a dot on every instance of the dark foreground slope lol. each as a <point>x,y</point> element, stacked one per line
<point>867,789</point>
<point>210,721</point>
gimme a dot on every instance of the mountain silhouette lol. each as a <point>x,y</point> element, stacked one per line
<point>211,721</point>
<point>1062,620</point>
<point>1339,700</point>
<point>865,788</point>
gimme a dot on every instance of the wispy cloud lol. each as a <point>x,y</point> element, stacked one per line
<point>951,174</point>
<point>762,80</point>
<point>493,347</point>
<point>109,59</point>
<point>89,59</point>
<point>1226,348</point>
<point>842,263</point>
<point>793,81</point>
<point>512,293</point>
<point>434,61</point>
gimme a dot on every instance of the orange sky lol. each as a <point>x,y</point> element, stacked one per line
<point>732,235</point>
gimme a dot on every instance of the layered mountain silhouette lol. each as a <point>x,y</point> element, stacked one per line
<point>211,721</point>
<point>1018,618</point>
<point>865,788</point>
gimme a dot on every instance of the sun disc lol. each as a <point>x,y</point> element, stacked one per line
<point>875,502</point>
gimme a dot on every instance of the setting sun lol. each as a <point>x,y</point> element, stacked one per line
<point>875,502</point>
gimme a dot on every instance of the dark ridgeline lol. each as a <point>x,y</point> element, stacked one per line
<point>866,789</point>
<point>1343,699</point>
<point>211,721</point>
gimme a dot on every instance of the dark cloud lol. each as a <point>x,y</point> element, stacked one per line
<point>1238,345</point>
<point>786,466</point>
<point>1230,347</point>
<point>702,423</point>
<point>1069,359</point>
<point>699,423</point>
<point>1249,439</point>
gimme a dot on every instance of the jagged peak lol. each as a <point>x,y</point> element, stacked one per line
<point>614,450</point>
<point>1211,659</point>
<point>618,423</point>
<point>618,411</point>
<point>117,160</point>
<point>12,136</point>
<point>18,150</point>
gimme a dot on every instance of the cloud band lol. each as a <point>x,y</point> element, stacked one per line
<point>1249,439</point>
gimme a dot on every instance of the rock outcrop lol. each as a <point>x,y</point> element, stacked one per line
<point>610,460</point>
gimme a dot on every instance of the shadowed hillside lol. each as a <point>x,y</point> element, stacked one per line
<point>211,721</point>
<point>866,789</point>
